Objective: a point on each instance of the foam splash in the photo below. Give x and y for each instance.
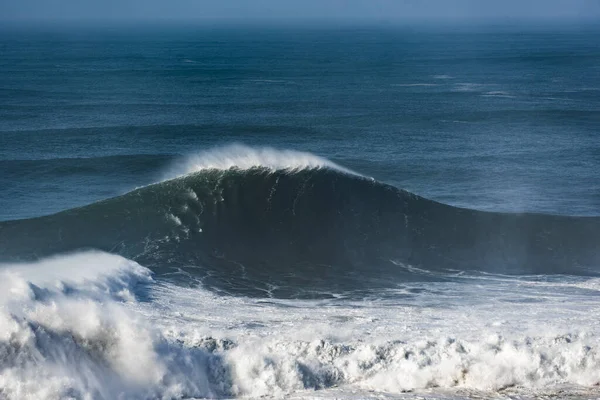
(278, 368)
(379, 347)
(244, 157)
(65, 333)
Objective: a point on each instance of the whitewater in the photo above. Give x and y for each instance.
(224, 279)
(112, 332)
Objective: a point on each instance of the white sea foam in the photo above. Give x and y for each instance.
(489, 337)
(498, 93)
(246, 157)
(468, 87)
(75, 327)
(414, 84)
(65, 333)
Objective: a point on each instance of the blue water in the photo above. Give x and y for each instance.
(495, 119)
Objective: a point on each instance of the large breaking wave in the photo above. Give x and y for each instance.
(255, 220)
(290, 225)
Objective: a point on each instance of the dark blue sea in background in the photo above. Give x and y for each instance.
(343, 211)
(488, 118)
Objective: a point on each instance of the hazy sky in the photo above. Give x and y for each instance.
(279, 10)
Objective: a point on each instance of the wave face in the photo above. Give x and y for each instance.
(255, 222)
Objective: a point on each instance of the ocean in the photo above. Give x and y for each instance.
(301, 211)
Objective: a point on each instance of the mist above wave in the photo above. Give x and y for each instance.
(244, 157)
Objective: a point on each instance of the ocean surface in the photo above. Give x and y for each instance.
(306, 212)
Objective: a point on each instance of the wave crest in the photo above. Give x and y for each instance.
(244, 157)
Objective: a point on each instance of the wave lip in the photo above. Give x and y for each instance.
(242, 157)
